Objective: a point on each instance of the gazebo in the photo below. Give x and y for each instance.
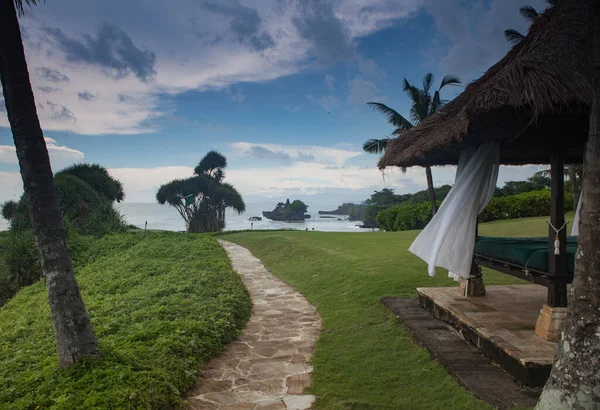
(534, 104)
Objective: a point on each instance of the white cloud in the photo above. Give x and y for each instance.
(11, 186)
(362, 91)
(141, 184)
(370, 69)
(60, 155)
(98, 95)
(300, 153)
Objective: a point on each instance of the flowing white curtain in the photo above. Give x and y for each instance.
(448, 239)
(575, 228)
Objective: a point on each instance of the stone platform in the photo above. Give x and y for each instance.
(501, 325)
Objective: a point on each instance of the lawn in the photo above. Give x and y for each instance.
(364, 358)
(161, 305)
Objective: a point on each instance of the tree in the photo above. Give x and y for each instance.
(423, 105)
(72, 327)
(98, 178)
(202, 199)
(297, 207)
(574, 382)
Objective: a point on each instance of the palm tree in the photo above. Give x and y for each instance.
(575, 376)
(72, 328)
(202, 199)
(423, 105)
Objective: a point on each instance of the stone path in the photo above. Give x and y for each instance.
(267, 366)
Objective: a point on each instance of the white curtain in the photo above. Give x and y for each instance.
(448, 239)
(575, 228)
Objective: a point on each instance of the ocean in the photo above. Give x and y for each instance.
(166, 218)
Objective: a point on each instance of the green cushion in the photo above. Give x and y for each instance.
(527, 252)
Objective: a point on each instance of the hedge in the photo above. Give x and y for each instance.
(528, 204)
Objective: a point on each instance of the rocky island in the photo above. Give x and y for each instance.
(288, 212)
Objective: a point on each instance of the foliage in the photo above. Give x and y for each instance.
(298, 207)
(201, 200)
(528, 204)
(416, 216)
(161, 305)
(535, 183)
(9, 210)
(98, 178)
(345, 275)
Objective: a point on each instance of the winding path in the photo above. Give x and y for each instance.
(267, 366)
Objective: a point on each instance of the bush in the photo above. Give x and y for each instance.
(371, 213)
(528, 204)
(162, 304)
(405, 217)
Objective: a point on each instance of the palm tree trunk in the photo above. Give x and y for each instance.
(72, 327)
(431, 190)
(574, 382)
(573, 179)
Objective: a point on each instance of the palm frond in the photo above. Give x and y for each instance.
(19, 5)
(449, 80)
(392, 116)
(529, 13)
(436, 103)
(230, 196)
(513, 36)
(375, 146)
(212, 161)
(427, 82)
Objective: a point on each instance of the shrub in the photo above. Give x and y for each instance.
(98, 178)
(19, 264)
(371, 213)
(528, 204)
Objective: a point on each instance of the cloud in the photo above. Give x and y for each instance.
(60, 155)
(476, 32)
(49, 74)
(57, 112)
(111, 48)
(47, 89)
(370, 69)
(259, 152)
(329, 37)
(329, 102)
(329, 81)
(244, 25)
(12, 188)
(299, 153)
(236, 94)
(362, 91)
(86, 96)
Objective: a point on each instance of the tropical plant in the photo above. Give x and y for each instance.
(423, 105)
(97, 177)
(202, 199)
(72, 327)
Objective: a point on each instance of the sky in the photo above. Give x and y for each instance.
(278, 86)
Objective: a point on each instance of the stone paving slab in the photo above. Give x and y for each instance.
(267, 366)
(472, 369)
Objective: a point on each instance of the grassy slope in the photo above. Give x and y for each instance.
(161, 305)
(364, 359)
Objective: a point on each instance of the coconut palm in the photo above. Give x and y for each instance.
(72, 328)
(202, 199)
(423, 105)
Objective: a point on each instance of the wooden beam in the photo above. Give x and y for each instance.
(557, 264)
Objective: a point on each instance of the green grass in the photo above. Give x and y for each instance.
(161, 305)
(364, 358)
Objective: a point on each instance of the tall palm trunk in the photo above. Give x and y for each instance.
(575, 379)
(572, 169)
(72, 327)
(431, 190)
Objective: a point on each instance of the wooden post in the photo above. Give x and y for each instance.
(557, 264)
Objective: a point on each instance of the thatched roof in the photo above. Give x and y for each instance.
(535, 101)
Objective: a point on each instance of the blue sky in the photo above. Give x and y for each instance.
(278, 86)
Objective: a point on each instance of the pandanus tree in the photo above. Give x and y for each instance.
(424, 103)
(201, 200)
(72, 327)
